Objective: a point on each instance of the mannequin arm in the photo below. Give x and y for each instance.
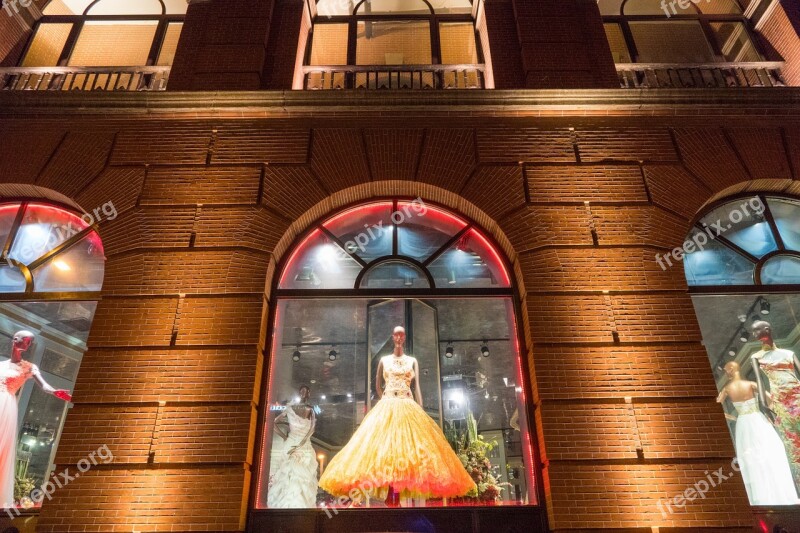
(417, 388)
(277, 421)
(761, 392)
(722, 395)
(58, 393)
(310, 430)
(379, 380)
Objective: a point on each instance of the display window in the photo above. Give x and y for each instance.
(743, 274)
(51, 271)
(395, 377)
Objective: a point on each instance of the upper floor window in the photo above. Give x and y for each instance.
(394, 44)
(656, 31)
(96, 43)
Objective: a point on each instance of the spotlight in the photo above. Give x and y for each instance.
(764, 307)
(732, 352)
(451, 277)
(743, 335)
(742, 318)
(407, 282)
(296, 356)
(485, 349)
(332, 355)
(449, 352)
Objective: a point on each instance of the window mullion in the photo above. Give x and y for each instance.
(69, 46)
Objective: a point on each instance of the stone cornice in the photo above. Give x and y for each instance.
(781, 102)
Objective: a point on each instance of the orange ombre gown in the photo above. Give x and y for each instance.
(399, 446)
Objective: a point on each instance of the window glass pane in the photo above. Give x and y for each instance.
(451, 6)
(170, 45)
(424, 229)
(393, 43)
(67, 7)
(715, 264)
(79, 268)
(616, 40)
(366, 230)
(331, 8)
(787, 217)
(671, 42)
(610, 7)
(43, 228)
(466, 393)
(329, 44)
(47, 45)
(656, 7)
(719, 7)
(8, 213)
(743, 223)
(318, 263)
(395, 275)
(114, 44)
(781, 269)
(471, 262)
(374, 7)
(458, 43)
(126, 7)
(739, 344)
(11, 279)
(735, 43)
(34, 418)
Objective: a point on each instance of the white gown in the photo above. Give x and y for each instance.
(293, 480)
(762, 458)
(12, 378)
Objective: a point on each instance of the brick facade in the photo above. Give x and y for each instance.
(581, 188)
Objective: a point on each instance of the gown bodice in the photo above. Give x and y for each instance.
(398, 372)
(13, 376)
(298, 425)
(747, 407)
(778, 365)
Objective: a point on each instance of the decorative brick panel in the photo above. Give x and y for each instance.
(643, 225)
(37, 141)
(120, 375)
(163, 143)
(528, 144)
(253, 227)
(596, 183)
(339, 158)
(709, 155)
(260, 143)
(647, 370)
(654, 318)
(498, 189)
(448, 157)
(201, 185)
(281, 186)
(149, 227)
(574, 431)
(393, 154)
(633, 144)
(118, 185)
(79, 158)
(569, 318)
(541, 225)
(133, 322)
(762, 151)
(673, 187)
(224, 320)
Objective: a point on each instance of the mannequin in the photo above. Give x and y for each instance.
(14, 373)
(397, 447)
(293, 483)
(781, 367)
(762, 458)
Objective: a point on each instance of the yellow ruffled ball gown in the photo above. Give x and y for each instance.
(399, 446)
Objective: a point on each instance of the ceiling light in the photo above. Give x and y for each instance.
(296, 356)
(305, 274)
(764, 307)
(743, 335)
(332, 355)
(485, 349)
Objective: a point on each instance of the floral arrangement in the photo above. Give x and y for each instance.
(22, 487)
(472, 451)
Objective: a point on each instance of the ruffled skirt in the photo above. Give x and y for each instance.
(399, 446)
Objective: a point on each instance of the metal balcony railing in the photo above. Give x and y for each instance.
(84, 78)
(467, 76)
(699, 75)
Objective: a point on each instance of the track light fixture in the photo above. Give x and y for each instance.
(332, 355)
(765, 306)
(485, 349)
(743, 335)
(296, 355)
(449, 352)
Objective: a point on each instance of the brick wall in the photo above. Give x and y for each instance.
(625, 397)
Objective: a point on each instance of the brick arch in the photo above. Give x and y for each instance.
(383, 189)
(777, 186)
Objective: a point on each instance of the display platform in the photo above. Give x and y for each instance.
(506, 519)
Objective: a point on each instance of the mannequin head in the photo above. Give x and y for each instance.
(399, 337)
(763, 332)
(305, 393)
(20, 343)
(732, 370)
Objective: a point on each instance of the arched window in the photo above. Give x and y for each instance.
(394, 44)
(50, 277)
(106, 33)
(742, 264)
(656, 31)
(342, 290)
